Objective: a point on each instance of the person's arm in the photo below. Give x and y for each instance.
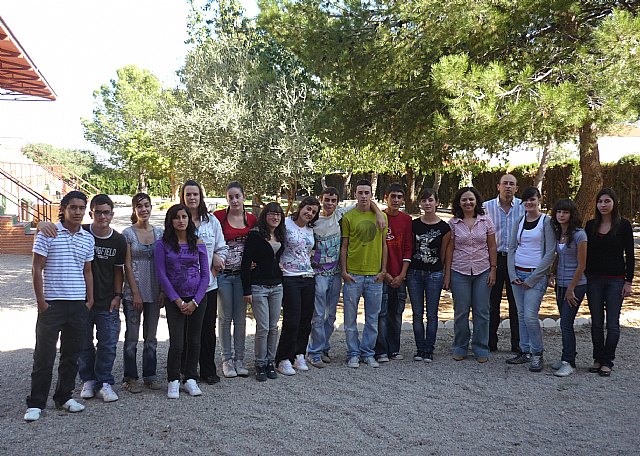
(160, 260)
(220, 249)
(118, 278)
(445, 252)
(630, 261)
(548, 257)
(582, 264)
(37, 266)
(131, 280)
(448, 259)
(49, 229)
(511, 254)
(248, 257)
(343, 260)
(493, 259)
(385, 255)
(407, 249)
(204, 276)
(88, 280)
(381, 220)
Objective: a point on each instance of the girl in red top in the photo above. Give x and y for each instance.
(236, 223)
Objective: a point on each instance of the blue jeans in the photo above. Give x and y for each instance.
(351, 292)
(96, 363)
(567, 317)
(528, 303)
(470, 292)
(390, 319)
(605, 296)
(151, 313)
(324, 313)
(231, 307)
(266, 305)
(425, 286)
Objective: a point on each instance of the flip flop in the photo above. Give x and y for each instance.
(595, 368)
(604, 371)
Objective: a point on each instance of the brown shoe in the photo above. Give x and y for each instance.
(132, 385)
(483, 359)
(458, 357)
(154, 385)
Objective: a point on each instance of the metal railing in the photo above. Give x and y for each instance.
(41, 210)
(66, 175)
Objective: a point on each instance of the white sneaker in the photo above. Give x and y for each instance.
(192, 387)
(383, 359)
(33, 414)
(371, 361)
(229, 369)
(72, 406)
(557, 365)
(353, 362)
(107, 393)
(88, 389)
(173, 389)
(300, 363)
(241, 371)
(565, 370)
(285, 368)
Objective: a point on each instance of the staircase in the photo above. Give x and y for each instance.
(16, 238)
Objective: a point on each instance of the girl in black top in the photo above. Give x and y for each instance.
(610, 263)
(262, 284)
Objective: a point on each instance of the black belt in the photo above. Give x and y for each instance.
(502, 253)
(231, 271)
(525, 269)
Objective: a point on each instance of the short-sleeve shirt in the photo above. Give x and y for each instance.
(144, 270)
(471, 251)
(398, 242)
(296, 257)
(502, 221)
(427, 244)
(326, 256)
(568, 259)
(67, 253)
(110, 252)
(364, 255)
(235, 238)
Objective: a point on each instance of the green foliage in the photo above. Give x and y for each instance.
(80, 162)
(120, 182)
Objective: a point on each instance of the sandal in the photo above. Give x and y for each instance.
(604, 371)
(595, 368)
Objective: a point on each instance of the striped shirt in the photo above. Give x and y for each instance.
(470, 247)
(502, 221)
(66, 256)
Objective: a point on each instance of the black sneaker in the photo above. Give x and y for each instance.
(211, 379)
(271, 371)
(261, 373)
(537, 363)
(419, 356)
(427, 357)
(521, 358)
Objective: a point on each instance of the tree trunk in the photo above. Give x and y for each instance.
(437, 181)
(590, 170)
(374, 184)
(174, 187)
(544, 163)
(347, 186)
(256, 204)
(291, 197)
(323, 181)
(410, 200)
(142, 180)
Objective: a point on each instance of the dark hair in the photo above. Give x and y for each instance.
(203, 213)
(170, 237)
(234, 184)
(99, 199)
(427, 192)
(261, 225)
(307, 201)
(330, 191)
(530, 192)
(574, 219)
(615, 214)
(74, 194)
(455, 204)
(137, 199)
(394, 187)
(364, 182)
(238, 185)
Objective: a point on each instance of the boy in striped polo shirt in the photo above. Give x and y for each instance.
(62, 281)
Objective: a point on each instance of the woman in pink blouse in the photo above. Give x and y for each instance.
(471, 261)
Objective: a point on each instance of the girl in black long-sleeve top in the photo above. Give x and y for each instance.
(262, 284)
(610, 264)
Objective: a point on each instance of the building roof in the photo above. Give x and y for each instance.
(20, 78)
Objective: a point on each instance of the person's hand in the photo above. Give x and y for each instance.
(381, 221)
(348, 277)
(48, 229)
(517, 282)
(217, 264)
(626, 289)
(491, 280)
(115, 304)
(552, 281)
(446, 282)
(570, 297)
(397, 281)
(138, 305)
(42, 306)
(160, 300)
(380, 277)
(89, 304)
(248, 299)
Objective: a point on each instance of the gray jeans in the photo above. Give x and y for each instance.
(266, 304)
(231, 308)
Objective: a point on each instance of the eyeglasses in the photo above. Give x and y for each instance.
(274, 214)
(97, 214)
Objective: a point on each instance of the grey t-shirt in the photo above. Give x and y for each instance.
(142, 264)
(568, 259)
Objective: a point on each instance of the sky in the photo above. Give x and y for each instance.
(78, 45)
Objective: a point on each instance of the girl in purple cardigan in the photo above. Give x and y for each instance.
(183, 272)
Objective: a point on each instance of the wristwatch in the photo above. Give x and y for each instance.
(117, 293)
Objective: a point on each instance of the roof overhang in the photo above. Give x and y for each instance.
(20, 78)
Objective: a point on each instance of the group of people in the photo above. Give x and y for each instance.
(205, 268)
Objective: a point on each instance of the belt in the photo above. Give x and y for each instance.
(525, 269)
(231, 271)
(504, 254)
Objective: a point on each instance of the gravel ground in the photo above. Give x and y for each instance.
(407, 407)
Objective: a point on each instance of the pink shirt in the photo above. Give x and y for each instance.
(471, 251)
